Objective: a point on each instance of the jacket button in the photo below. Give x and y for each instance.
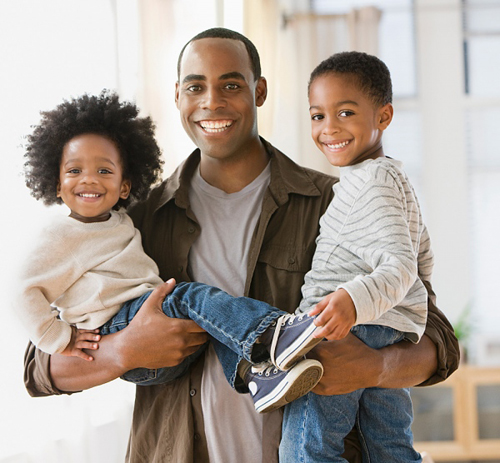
(291, 260)
(196, 436)
(191, 230)
(192, 392)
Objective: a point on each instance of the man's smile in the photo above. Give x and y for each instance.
(215, 126)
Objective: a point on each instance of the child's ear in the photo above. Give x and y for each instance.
(58, 190)
(385, 116)
(125, 189)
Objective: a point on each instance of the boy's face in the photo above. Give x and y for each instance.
(217, 96)
(345, 123)
(91, 177)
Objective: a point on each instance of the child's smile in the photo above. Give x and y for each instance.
(345, 123)
(91, 177)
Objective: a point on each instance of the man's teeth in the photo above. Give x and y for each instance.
(89, 195)
(337, 145)
(215, 126)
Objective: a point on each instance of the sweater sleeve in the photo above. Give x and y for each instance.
(48, 273)
(377, 229)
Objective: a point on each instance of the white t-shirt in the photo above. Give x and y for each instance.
(219, 258)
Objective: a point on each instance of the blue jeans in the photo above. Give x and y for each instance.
(314, 426)
(235, 324)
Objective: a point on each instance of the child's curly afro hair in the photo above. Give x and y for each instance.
(102, 115)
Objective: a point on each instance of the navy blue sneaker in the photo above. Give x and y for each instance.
(292, 339)
(271, 388)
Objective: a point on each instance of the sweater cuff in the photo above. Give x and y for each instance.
(361, 299)
(55, 339)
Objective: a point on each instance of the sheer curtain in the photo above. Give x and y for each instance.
(291, 43)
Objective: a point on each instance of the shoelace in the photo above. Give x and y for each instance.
(288, 318)
(264, 368)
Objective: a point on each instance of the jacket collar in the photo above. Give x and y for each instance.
(287, 178)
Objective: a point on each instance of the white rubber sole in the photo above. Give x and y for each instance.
(298, 382)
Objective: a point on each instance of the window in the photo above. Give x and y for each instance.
(481, 23)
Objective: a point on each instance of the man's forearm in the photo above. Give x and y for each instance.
(71, 374)
(406, 364)
(350, 365)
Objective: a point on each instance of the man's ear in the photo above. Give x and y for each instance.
(385, 116)
(261, 91)
(177, 94)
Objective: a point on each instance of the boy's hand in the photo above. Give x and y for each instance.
(82, 339)
(337, 315)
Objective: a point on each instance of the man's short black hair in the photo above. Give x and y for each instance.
(222, 33)
(371, 73)
(103, 115)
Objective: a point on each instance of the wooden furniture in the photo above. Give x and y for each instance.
(459, 419)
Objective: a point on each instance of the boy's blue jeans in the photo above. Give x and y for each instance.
(235, 324)
(314, 426)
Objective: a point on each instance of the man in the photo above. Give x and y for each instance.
(240, 215)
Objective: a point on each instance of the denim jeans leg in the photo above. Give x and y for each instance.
(385, 418)
(385, 415)
(146, 376)
(314, 427)
(235, 322)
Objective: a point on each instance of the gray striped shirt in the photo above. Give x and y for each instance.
(374, 244)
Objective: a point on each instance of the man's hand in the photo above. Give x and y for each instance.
(153, 340)
(349, 364)
(337, 315)
(82, 339)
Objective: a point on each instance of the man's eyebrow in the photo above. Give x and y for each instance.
(232, 75)
(192, 77)
(227, 76)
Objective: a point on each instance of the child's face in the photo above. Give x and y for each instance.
(345, 123)
(91, 177)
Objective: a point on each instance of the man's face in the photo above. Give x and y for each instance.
(217, 97)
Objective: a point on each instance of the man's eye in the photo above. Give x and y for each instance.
(232, 86)
(193, 88)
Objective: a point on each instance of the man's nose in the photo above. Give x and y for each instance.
(213, 99)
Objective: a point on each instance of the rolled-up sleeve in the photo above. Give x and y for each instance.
(440, 331)
(37, 378)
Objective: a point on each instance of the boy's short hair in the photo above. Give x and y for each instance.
(371, 73)
(223, 33)
(102, 115)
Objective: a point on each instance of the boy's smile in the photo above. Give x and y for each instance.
(346, 125)
(91, 177)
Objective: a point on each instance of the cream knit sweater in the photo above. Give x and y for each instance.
(81, 274)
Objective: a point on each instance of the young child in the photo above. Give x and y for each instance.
(372, 250)
(89, 270)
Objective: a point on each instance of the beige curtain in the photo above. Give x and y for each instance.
(291, 45)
